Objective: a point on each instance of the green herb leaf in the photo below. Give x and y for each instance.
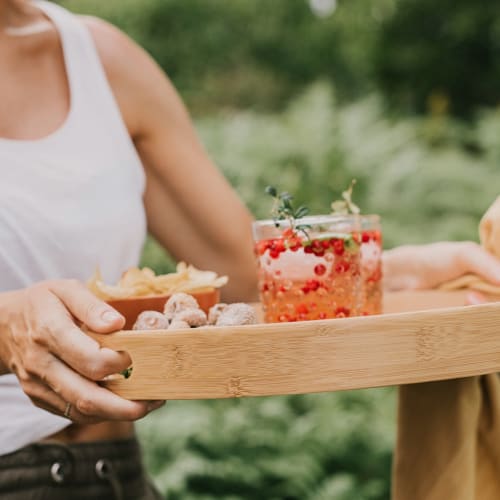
(271, 190)
(283, 207)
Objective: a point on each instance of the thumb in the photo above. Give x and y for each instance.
(87, 308)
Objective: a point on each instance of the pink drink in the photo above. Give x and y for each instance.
(371, 264)
(310, 274)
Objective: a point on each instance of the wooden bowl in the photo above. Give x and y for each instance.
(131, 307)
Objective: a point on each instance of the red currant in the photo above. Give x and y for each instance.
(342, 267)
(342, 312)
(319, 269)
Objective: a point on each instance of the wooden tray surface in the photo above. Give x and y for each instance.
(425, 342)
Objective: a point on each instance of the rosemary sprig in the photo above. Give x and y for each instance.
(283, 209)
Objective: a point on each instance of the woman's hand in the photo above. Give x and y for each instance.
(55, 362)
(428, 266)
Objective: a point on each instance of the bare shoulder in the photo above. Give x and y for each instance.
(130, 70)
(117, 51)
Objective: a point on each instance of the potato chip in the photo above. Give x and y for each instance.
(143, 282)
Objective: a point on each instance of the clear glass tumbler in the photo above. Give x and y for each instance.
(309, 269)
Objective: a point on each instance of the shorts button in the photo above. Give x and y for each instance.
(57, 472)
(103, 468)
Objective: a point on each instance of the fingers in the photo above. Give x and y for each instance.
(58, 364)
(88, 398)
(53, 328)
(475, 259)
(86, 307)
(45, 398)
(105, 405)
(60, 336)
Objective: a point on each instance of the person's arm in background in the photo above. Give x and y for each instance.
(419, 267)
(192, 210)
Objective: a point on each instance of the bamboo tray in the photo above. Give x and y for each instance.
(423, 336)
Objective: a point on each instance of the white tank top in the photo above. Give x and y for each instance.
(69, 202)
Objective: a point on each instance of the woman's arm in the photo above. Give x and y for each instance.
(192, 210)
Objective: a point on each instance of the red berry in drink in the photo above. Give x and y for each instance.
(294, 244)
(342, 267)
(301, 309)
(278, 245)
(319, 269)
(282, 318)
(312, 284)
(338, 247)
(262, 246)
(342, 312)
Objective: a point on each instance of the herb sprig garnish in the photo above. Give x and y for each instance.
(346, 206)
(283, 209)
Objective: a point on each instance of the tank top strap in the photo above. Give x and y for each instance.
(91, 97)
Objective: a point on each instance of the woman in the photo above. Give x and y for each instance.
(87, 123)
(95, 146)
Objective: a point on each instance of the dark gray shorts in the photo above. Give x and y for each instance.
(101, 470)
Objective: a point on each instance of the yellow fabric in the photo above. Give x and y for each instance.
(489, 229)
(448, 441)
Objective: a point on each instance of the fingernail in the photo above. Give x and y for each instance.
(110, 316)
(474, 298)
(154, 405)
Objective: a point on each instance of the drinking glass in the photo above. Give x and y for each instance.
(309, 268)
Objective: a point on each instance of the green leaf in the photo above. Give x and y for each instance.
(286, 197)
(302, 211)
(271, 190)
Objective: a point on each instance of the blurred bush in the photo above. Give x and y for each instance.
(440, 53)
(313, 447)
(421, 54)
(249, 53)
(430, 178)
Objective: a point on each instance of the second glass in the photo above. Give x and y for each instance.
(371, 264)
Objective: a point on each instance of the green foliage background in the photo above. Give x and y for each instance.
(399, 94)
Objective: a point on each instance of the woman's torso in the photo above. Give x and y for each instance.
(70, 196)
